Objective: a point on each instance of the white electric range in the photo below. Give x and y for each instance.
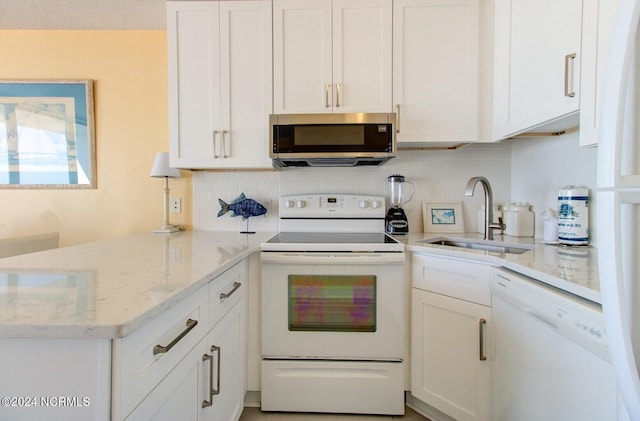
(333, 308)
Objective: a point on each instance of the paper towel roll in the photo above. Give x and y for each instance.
(573, 215)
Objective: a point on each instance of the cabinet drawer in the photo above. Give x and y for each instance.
(225, 291)
(140, 369)
(453, 277)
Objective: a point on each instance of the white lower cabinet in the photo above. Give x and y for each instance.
(450, 336)
(55, 379)
(195, 351)
(227, 367)
(201, 372)
(208, 383)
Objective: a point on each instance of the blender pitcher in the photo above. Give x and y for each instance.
(396, 220)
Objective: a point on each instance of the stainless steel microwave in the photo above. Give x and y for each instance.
(331, 140)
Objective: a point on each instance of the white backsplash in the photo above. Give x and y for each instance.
(523, 170)
(439, 175)
(540, 167)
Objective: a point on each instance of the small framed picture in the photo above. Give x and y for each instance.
(445, 217)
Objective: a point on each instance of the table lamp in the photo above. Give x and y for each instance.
(161, 168)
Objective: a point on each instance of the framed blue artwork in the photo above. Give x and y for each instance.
(47, 135)
(443, 217)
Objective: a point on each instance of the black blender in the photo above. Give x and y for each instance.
(396, 220)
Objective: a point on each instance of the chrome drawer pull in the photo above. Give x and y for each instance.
(481, 332)
(212, 391)
(205, 357)
(159, 349)
(225, 295)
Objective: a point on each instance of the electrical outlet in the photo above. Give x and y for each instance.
(176, 205)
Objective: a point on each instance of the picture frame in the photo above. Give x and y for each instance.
(443, 217)
(47, 134)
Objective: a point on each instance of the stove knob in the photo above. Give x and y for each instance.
(288, 204)
(364, 204)
(300, 204)
(375, 204)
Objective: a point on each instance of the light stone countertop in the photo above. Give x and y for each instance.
(110, 288)
(572, 269)
(107, 289)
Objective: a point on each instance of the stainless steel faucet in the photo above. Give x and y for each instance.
(489, 225)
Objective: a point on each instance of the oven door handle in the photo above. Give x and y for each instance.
(331, 258)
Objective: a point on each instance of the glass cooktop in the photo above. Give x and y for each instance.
(314, 241)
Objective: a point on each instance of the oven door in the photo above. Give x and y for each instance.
(343, 306)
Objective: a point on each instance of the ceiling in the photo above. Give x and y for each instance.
(83, 14)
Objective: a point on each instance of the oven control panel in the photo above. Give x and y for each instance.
(332, 206)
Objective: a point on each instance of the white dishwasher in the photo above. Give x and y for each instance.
(550, 359)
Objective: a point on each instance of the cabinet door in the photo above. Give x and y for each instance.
(598, 20)
(194, 83)
(228, 348)
(180, 394)
(447, 370)
(302, 56)
(435, 70)
(220, 84)
(216, 364)
(246, 84)
(362, 45)
(537, 62)
(37, 371)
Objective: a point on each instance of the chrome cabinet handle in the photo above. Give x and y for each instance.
(215, 155)
(569, 61)
(397, 118)
(212, 391)
(160, 349)
(209, 402)
(338, 95)
(481, 324)
(327, 88)
(225, 295)
(224, 144)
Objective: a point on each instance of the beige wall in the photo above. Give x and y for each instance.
(129, 69)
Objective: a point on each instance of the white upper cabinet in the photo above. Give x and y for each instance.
(220, 83)
(537, 64)
(436, 70)
(598, 21)
(332, 56)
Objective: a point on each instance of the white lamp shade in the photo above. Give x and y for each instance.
(161, 167)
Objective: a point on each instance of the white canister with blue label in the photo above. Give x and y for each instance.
(573, 215)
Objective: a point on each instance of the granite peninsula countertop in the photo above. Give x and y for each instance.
(108, 289)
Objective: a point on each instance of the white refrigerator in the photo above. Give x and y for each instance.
(618, 203)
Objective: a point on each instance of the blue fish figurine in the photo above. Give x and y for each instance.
(242, 206)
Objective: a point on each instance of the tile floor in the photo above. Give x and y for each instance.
(254, 414)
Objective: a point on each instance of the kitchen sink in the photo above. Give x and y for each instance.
(486, 245)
